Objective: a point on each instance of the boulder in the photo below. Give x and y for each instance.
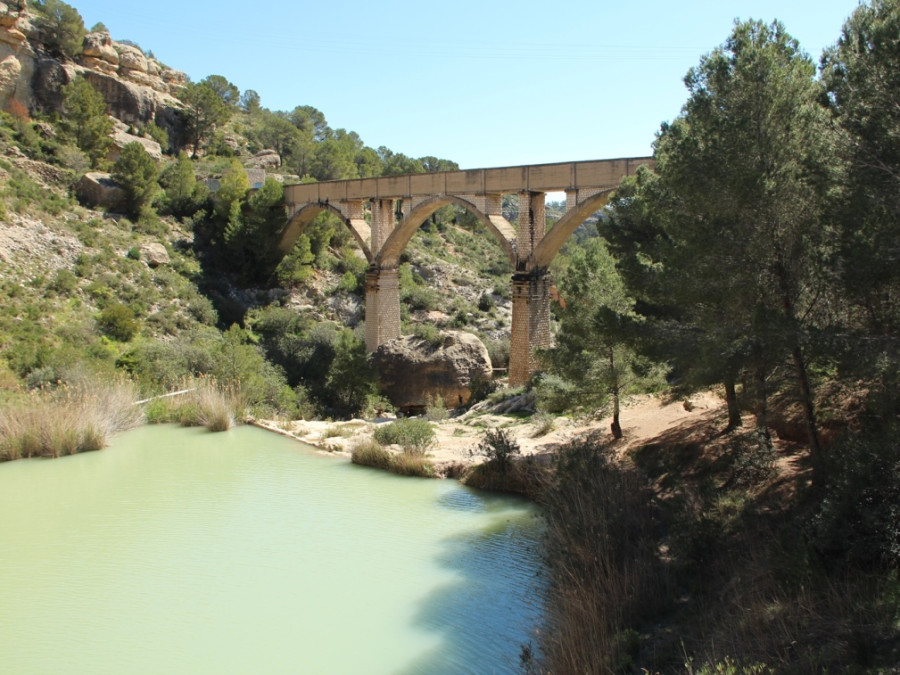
(99, 189)
(154, 254)
(100, 46)
(123, 138)
(412, 369)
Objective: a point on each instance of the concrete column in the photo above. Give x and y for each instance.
(353, 210)
(532, 222)
(571, 199)
(382, 222)
(382, 307)
(488, 204)
(530, 323)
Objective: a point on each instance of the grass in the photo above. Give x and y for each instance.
(413, 435)
(369, 453)
(66, 421)
(206, 404)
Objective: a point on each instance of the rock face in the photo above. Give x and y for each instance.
(137, 89)
(410, 369)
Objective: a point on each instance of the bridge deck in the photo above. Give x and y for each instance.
(534, 178)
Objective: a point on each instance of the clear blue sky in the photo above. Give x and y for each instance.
(482, 83)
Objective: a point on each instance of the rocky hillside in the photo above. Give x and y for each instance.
(154, 292)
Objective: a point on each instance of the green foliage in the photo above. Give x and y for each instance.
(350, 380)
(136, 171)
(412, 434)
(224, 89)
(86, 121)
(184, 195)
(435, 410)
(61, 28)
(593, 360)
(118, 322)
(232, 191)
(860, 75)
(857, 522)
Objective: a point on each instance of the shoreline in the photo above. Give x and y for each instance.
(642, 418)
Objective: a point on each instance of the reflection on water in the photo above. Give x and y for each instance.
(182, 551)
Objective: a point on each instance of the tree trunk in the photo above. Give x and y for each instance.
(762, 403)
(615, 427)
(734, 412)
(809, 410)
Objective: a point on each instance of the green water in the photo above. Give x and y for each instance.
(181, 551)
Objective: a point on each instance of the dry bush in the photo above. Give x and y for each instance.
(66, 421)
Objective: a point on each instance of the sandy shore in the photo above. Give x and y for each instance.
(643, 418)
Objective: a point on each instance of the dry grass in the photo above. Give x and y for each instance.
(370, 453)
(66, 421)
(602, 558)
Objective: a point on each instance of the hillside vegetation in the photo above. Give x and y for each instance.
(759, 259)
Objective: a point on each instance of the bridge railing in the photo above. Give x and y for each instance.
(534, 177)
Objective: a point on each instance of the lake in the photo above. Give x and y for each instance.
(180, 550)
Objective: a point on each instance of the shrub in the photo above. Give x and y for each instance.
(435, 410)
(543, 423)
(413, 435)
(486, 302)
(498, 447)
(118, 322)
(554, 393)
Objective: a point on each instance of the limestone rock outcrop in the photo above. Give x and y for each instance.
(411, 369)
(99, 189)
(137, 89)
(121, 138)
(264, 159)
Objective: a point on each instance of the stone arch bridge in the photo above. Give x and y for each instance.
(384, 213)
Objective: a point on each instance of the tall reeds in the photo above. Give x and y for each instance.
(603, 564)
(200, 403)
(67, 420)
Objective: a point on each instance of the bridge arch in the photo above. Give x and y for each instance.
(553, 241)
(498, 226)
(305, 215)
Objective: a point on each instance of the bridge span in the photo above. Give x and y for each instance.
(384, 213)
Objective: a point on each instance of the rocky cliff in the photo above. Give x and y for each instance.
(137, 89)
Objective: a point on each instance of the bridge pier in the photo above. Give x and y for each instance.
(382, 307)
(530, 323)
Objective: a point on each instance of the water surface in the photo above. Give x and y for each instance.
(178, 550)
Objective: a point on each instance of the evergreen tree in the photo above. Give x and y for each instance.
(136, 171)
(86, 121)
(735, 215)
(184, 194)
(61, 27)
(206, 110)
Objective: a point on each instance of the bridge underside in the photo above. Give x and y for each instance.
(384, 213)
